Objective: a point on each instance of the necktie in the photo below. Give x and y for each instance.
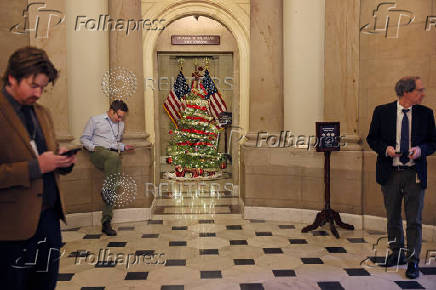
(27, 112)
(404, 143)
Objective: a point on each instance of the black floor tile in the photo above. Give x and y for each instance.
(209, 252)
(206, 235)
(172, 287)
(155, 222)
(283, 273)
(377, 233)
(257, 221)
(106, 264)
(126, 228)
(286, 227)
(206, 221)
(79, 253)
(335, 250)
(234, 227)
(136, 276)
(65, 276)
(179, 228)
(312, 261)
(71, 230)
(297, 241)
(63, 244)
(150, 236)
(144, 253)
(210, 275)
(378, 259)
(330, 285)
(428, 270)
(92, 288)
(178, 244)
(116, 244)
(409, 285)
(238, 243)
(243, 261)
(251, 286)
(356, 240)
(357, 272)
(320, 233)
(263, 234)
(175, 262)
(272, 251)
(92, 237)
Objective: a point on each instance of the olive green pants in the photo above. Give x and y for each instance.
(110, 163)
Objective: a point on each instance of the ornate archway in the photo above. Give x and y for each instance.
(229, 14)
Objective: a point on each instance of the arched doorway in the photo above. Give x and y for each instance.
(229, 15)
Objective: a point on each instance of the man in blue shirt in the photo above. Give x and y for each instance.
(102, 137)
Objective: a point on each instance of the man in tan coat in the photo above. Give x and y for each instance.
(30, 161)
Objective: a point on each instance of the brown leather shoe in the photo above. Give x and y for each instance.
(107, 229)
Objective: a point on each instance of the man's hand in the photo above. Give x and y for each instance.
(48, 161)
(390, 151)
(63, 149)
(129, 147)
(415, 153)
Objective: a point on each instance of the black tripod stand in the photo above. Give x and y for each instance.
(327, 215)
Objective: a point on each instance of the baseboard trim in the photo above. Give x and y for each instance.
(307, 216)
(94, 218)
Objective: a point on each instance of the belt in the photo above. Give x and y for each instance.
(402, 168)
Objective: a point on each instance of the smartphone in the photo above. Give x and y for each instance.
(398, 152)
(71, 152)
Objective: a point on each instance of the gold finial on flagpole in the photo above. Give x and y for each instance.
(181, 61)
(206, 63)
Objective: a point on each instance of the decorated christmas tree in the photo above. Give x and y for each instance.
(193, 140)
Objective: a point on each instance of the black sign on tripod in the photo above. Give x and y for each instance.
(328, 140)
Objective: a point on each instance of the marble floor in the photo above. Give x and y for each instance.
(224, 251)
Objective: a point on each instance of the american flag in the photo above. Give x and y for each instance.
(175, 102)
(216, 102)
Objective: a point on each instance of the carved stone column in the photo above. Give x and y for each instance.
(125, 50)
(266, 65)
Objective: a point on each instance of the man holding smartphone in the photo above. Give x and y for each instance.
(102, 137)
(31, 203)
(403, 134)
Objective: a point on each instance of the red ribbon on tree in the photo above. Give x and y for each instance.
(197, 118)
(198, 132)
(194, 144)
(197, 107)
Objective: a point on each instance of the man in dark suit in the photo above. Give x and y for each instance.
(403, 133)
(30, 162)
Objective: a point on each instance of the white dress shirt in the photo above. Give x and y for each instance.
(101, 131)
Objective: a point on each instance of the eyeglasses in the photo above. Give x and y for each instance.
(421, 90)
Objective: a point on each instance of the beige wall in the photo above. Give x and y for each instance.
(11, 15)
(384, 60)
(303, 49)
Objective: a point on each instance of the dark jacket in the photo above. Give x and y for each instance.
(382, 133)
